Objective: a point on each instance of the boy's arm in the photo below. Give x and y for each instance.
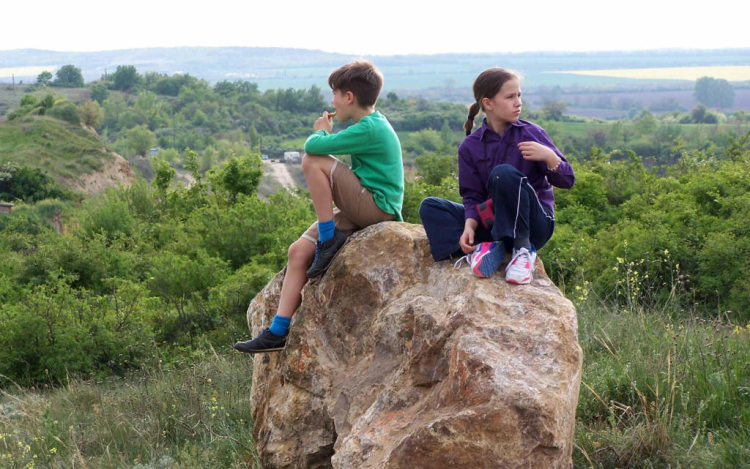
(354, 139)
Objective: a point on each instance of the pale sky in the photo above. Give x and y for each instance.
(379, 27)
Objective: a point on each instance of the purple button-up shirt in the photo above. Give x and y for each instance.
(484, 149)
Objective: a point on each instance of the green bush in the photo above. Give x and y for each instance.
(66, 111)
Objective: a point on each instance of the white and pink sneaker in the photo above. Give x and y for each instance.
(520, 269)
(485, 259)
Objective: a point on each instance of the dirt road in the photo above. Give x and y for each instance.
(280, 173)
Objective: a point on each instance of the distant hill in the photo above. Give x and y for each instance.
(300, 68)
(74, 157)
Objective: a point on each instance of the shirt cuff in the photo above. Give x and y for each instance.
(471, 212)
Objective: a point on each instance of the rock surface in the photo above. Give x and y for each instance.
(394, 361)
(115, 172)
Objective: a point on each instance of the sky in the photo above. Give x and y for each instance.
(381, 27)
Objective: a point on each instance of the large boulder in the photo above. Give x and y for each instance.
(395, 361)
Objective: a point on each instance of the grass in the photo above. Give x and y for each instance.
(658, 391)
(194, 414)
(62, 149)
(661, 386)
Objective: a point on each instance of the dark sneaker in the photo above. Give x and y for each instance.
(324, 253)
(266, 341)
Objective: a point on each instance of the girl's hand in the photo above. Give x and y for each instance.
(467, 240)
(535, 151)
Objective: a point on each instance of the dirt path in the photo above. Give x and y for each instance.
(280, 173)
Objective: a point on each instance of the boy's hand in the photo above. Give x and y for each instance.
(535, 151)
(324, 123)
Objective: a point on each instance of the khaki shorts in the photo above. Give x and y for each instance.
(355, 205)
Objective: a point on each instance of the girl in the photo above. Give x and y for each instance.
(508, 165)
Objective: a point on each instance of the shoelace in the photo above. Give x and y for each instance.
(460, 261)
(518, 256)
(317, 251)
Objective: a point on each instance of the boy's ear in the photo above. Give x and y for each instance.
(350, 98)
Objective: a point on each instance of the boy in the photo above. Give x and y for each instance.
(369, 192)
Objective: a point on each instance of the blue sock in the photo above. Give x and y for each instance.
(280, 325)
(325, 230)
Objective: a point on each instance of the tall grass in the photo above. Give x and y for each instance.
(663, 386)
(192, 415)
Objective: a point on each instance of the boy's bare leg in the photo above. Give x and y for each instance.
(301, 253)
(317, 169)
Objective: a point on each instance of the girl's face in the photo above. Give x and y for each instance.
(505, 106)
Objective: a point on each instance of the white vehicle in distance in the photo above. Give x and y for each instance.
(292, 157)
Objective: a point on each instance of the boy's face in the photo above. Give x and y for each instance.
(343, 103)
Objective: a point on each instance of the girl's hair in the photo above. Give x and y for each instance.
(487, 85)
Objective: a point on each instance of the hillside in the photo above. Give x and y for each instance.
(71, 155)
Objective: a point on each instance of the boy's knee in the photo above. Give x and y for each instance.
(312, 162)
(299, 257)
(308, 162)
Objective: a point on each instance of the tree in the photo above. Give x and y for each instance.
(253, 135)
(99, 92)
(140, 139)
(90, 113)
(240, 175)
(714, 93)
(645, 123)
(163, 174)
(125, 77)
(27, 184)
(69, 76)
(554, 109)
(43, 78)
(446, 134)
(701, 115)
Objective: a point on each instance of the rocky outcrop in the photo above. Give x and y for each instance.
(394, 361)
(115, 172)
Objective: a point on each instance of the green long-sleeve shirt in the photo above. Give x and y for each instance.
(376, 158)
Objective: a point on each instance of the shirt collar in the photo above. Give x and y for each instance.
(486, 128)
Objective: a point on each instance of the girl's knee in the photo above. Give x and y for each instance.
(428, 203)
(505, 171)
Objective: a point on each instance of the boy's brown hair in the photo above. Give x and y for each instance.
(361, 78)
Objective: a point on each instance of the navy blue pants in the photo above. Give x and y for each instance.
(518, 215)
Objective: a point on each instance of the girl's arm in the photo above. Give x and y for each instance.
(556, 168)
(470, 185)
(562, 177)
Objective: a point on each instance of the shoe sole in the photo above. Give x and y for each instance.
(489, 264)
(525, 281)
(253, 352)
